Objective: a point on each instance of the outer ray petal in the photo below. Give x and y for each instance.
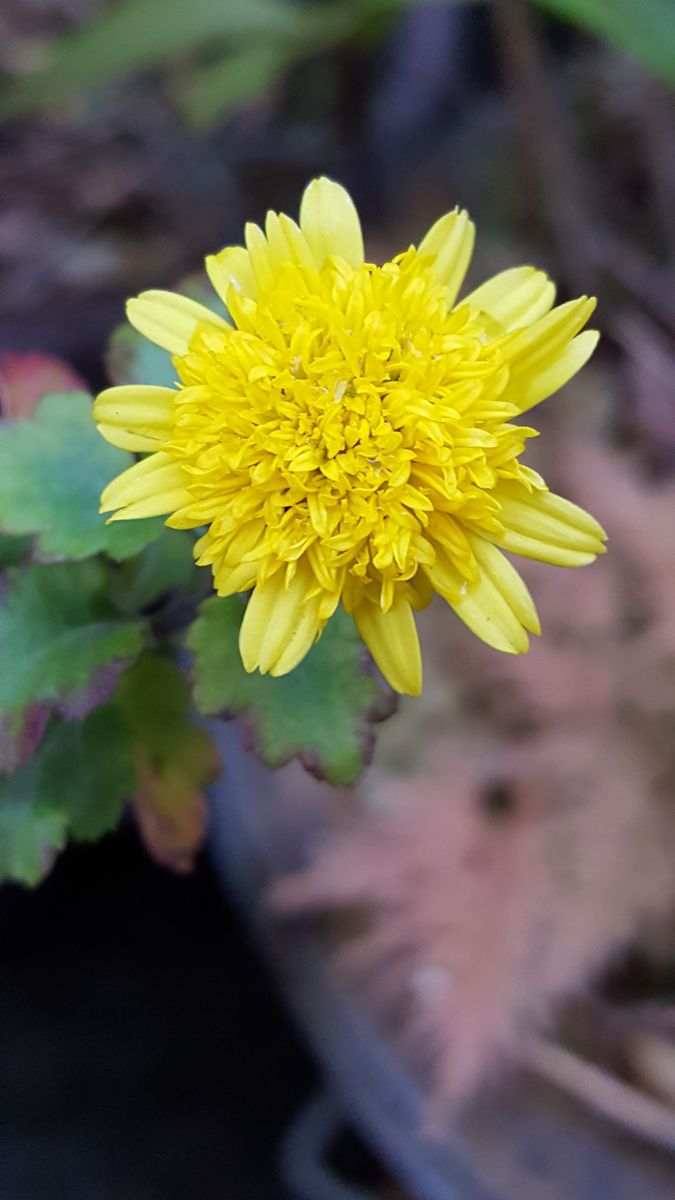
(488, 614)
(528, 388)
(515, 297)
(170, 320)
(392, 640)
(135, 417)
(155, 486)
(262, 261)
(450, 242)
(129, 441)
(330, 223)
(506, 579)
(287, 243)
(541, 514)
(490, 607)
(231, 267)
(156, 505)
(540, 344)
(542, 551)
(547, 527)
(280, 624)
(230, 580)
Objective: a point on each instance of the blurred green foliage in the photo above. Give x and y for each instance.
(643, 29)
(238, 48)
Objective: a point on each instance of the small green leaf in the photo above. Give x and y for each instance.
(198, 287)
(167, 565)
(643, 29)
(13, 550)
(174, 759)
(218, 88)
(321, 712)
(93, 763)
(136, 35)
(132, 358)
(21, 734)
(60, 637)
(29, 837)
(74, 786)
(52, 471)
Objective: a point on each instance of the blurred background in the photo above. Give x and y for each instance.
(145, 1052)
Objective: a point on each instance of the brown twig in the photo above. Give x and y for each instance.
(603, 1093)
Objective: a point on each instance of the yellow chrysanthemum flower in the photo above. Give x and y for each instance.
(350, 435)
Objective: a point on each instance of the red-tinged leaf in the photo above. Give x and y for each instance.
(74, 786)
(61, 640)
(26, 378)
(171, 817)
(20, 736)
(174, 759)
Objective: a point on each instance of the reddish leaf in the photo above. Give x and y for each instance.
(174, 758)
(26, 378)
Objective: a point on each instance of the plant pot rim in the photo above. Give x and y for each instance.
(254, 839)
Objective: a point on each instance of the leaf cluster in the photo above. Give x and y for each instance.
(225, 55)
(109, 661)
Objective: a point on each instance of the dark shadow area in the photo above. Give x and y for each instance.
(143, 1053)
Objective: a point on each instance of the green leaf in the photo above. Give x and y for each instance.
(21, 734)
(87, 772)
(74, 786)
(52, 471)
(13, 550)
(174, 759)
(214, 91)
(138, 34)
(60, 639)
(167, 565)
(29, 837)
(643, 29)
(131, 358)
(321, 712)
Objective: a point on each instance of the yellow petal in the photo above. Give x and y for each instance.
(287, 243)
(542, 515)
(152, 487)
(531, 387)
(231, 267)
(135, 417)
(170, 320)
(514, 298)
(129, 441)
(546, 527)
(572, 515)
(450, 242)
(486, 605)
(540, 344)
(156, 505)
(506, 579)
(262, 261)
(330, 223)
(487, 613)
(230, 580)
(392, 640)
(543, 551)
(280, 624)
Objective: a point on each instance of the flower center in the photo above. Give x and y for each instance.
(349, 416)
